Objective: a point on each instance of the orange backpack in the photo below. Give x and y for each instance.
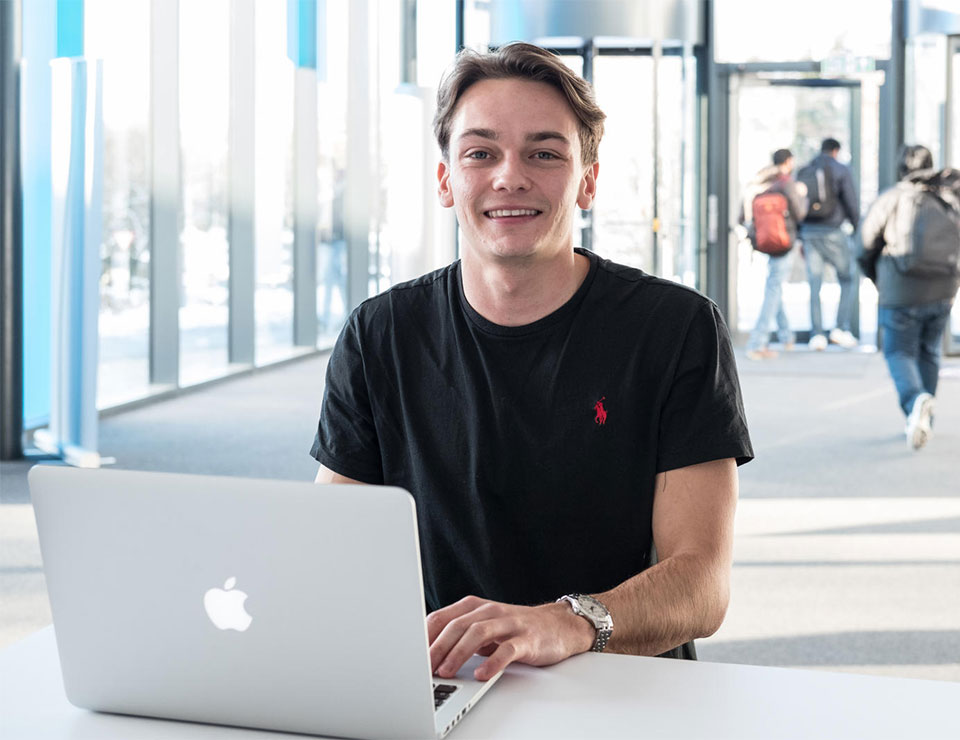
(770, 234)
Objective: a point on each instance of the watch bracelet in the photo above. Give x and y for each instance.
(603, 633)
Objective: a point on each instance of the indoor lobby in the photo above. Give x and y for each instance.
(252, 171)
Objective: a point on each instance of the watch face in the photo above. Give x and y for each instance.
(593, 608)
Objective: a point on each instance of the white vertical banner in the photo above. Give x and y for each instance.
(305, 207)
(76, 150)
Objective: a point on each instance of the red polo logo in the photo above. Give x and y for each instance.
(601, 417)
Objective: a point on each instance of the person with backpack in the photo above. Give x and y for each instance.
(833, 200)
(777, 203)
(911, 250)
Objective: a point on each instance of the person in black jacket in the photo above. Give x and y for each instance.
(825, 242)
(915, 304)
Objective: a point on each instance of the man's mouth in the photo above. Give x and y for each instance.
(511, 212)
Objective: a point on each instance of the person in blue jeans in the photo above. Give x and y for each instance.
(777, 178)
(914, 304)
(825, 242)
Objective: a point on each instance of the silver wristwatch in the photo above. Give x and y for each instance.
(594, 612)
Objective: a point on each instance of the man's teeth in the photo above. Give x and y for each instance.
(514, 212)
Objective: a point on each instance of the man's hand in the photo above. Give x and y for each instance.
(536, 635)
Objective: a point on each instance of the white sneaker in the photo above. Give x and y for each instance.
(844, 338)
(817, 343)
(919, 428)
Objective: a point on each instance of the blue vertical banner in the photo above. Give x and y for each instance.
(76, 149)
(69, 28)
(50, 29)
(302, 32)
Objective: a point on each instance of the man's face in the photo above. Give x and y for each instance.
(515, 174)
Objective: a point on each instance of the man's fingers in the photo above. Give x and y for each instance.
(472, 639)
(503, 633)
(439, 619)
(504, 655)
(452, 628)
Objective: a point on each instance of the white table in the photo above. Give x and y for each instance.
(589, 696)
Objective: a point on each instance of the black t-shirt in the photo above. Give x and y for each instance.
(532, 450)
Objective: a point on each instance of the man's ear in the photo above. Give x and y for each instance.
(443, 189)
(588, 186)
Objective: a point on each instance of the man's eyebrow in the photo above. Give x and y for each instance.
(483, 133)
(489, 133)
(547, 135)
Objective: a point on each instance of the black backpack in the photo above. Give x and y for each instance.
(821, 190)
(925, 238)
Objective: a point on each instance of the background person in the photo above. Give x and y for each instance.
(776, 178)
(910, 249)
(553, 414)
(833, 200)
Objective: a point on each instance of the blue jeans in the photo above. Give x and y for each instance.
(912, 338)
(772, 307)
(823, 245)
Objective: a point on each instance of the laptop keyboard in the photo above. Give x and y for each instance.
(442, 692)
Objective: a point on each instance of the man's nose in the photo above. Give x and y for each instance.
(511, 174)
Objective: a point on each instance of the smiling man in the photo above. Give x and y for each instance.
(554, 414)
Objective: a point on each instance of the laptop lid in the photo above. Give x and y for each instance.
(261, 603)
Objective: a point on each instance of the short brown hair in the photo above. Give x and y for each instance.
(526, 62)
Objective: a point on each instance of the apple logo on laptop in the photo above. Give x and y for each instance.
(225, 607)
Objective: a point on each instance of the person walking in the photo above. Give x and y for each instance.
(910, 249)
(773, 231)
(833, 200)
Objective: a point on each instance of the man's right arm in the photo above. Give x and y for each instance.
(872, 228)
(325, 475)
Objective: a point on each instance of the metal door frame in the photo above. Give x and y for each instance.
(738, 77)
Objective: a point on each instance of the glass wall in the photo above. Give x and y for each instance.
(404, 237)
(393, 224)
(623, 211)
(630, 225)
(954, 133)
(124, 322)
(677, 169)
(331, 172)
(953, 100)
(273, 188)
(926, 94)
(765, 31)
(204, 133)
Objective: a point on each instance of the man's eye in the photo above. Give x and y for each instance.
(546, 155)
(478, 155)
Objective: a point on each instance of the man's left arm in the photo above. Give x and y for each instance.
(682, 597)
(685, 595)
(848, 196)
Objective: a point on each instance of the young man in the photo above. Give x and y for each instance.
(923, 210)
(552, 413)
(824, 242)
(776, 178)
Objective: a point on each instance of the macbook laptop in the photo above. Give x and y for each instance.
(258, 603)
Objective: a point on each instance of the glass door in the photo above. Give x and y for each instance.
(643, 215)
(952, 159)
(770, 113)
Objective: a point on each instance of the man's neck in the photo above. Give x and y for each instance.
(519, 292)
